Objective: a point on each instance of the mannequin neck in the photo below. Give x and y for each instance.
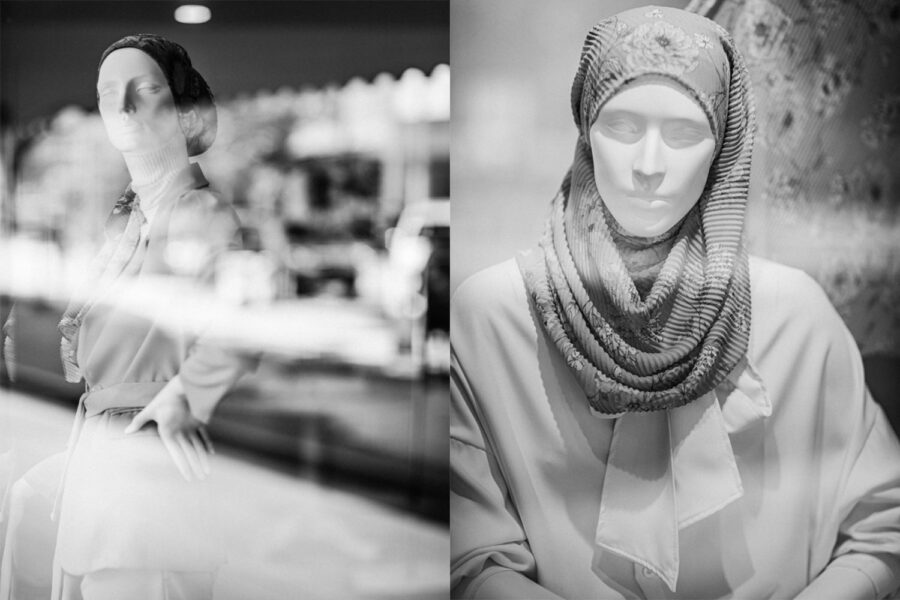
(643, 256)
(152, 171)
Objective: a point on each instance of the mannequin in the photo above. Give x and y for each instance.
(639, 409)
(142, 123)
(133, 514)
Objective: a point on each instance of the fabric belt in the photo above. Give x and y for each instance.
(120, 395)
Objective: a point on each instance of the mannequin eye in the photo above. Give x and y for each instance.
(682, 135)
(622, 128)
(149, 88)
(106, 97)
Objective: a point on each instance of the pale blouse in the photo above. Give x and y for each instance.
(117, 345)
(818, 465)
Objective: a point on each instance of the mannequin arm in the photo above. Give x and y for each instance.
(839, 584)
(210, 370)
(855, 576)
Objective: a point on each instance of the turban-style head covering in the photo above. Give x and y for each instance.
(193, 98)
(668, 344)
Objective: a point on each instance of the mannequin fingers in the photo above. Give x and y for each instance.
(190, 453)
(177, 455)
(139, 420)
(202, 454)
(206, 439)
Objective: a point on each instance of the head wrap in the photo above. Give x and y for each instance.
(654, 361)
(669, 43)
(634, 354)
(193, 98)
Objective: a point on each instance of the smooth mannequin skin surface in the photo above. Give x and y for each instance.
(135, 102)
(652, 147)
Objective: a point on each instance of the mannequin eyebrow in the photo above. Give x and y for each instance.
(622, 113)
(139, 79)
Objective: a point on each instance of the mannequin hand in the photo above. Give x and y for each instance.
(184, 436)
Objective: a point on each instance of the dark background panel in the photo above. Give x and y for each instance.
(49, 49)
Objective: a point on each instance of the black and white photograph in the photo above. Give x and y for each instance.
(248, 352)
(224, 291)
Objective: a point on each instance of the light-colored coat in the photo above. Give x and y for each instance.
(820, 473)
(124, 503)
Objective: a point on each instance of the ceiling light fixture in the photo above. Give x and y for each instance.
(192, 14)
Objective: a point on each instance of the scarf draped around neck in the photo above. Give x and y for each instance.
(687, 327)
(651, 328)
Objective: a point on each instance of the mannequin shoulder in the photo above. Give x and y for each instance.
(783, 295)
(205, 204)
(494, 293)
(203, 213)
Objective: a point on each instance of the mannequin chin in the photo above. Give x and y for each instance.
(652, 148)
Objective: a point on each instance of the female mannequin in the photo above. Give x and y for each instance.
(133, 511)
(641, 410)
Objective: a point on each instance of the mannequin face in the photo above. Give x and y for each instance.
(135, 102)
(652, 147)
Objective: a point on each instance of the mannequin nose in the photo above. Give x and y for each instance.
(649, 168)
(126, 103)
(646, 183)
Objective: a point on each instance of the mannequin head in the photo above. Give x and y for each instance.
(186, 91)
(652, 148)
(136, 104)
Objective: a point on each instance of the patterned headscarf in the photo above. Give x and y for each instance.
(193, 98)
(634, 354)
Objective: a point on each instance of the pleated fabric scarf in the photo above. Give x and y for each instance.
(634, 352)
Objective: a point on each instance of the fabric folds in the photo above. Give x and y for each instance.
(650, 342)
(634, 354)
(113, 261)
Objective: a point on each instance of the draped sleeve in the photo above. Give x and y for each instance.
(202, 228)
(859, 494)
(489, 550)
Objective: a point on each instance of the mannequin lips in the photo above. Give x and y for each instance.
(128, 126)
(649, 200)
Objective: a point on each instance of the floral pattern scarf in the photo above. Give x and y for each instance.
(667, 347)
(651, 328)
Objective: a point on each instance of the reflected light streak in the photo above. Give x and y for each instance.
(296, 328)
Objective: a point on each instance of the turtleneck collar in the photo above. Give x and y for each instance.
(151, 172)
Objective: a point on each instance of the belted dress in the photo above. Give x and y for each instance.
(123, 503)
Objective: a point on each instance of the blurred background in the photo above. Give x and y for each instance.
(333, 146)
(825, 194)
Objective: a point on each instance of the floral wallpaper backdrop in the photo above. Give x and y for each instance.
(826, 161)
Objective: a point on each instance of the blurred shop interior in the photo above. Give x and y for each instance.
(333, 146)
